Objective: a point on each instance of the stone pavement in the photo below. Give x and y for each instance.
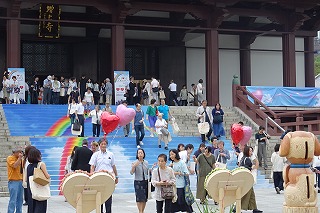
(267, 200)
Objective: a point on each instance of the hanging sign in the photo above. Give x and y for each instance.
(121, 81)
(48, 28)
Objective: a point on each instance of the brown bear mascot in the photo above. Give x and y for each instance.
(299, 147)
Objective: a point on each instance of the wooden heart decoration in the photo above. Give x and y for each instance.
(82, 183)
(227, 179)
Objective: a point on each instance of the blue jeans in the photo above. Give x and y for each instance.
(16, 196)
(139, 129)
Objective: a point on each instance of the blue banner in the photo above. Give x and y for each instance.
(287, 96)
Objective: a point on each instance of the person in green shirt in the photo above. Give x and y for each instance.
(151, 115)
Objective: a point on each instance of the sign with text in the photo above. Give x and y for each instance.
(19, 73)
(121, 81)
(48, 28)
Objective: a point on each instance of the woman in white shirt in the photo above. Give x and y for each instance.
(88, 97)
(71, 111)
(200, 91)
(96, 118)
(162, 124)
(89, 84)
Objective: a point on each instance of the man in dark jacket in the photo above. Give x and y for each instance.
(82, 157)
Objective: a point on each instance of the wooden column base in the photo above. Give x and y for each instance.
(287, 209)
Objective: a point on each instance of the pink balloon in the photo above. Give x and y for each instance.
(109, 122)
(258, 94)
(125, 114)
(247, 132)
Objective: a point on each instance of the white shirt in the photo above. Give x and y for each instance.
(96, 116)
(72, 108)
(6, 83)
(56, 86)
(184, 156)
(277, 162)
(102, 161)
(173, 87)
(162, 123)
(80, 109)
(147, 87)
(316, 161)
(199, 88)
(154, 83)
(88, 97)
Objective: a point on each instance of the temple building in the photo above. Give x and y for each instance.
(264, 42)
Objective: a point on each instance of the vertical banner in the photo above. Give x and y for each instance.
(19, 73)
(48, 28)
(121, 81)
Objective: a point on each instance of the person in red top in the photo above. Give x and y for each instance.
(14, 168)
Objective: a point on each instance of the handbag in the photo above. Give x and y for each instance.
(39, 192)
(76, 126)
(217, 119)
(145, 95)
(164, 131)
(187, 192)
(220, 164)
(166, 191)
(39, 177)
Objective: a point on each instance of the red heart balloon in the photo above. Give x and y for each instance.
(236, 133)
(109, 122)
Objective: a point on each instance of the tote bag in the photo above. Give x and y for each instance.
(187, 192)
(39, 177)
(38, 191)
(220, 164)
(203, 127)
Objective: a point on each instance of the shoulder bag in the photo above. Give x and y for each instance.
(166, 190)
(39, 192)
(164, 131)
(187, 191)
(39, 177)
(217, 118)
(219, 164)
(155, 89)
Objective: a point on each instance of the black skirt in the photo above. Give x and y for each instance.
(141, 190)
(180, 204)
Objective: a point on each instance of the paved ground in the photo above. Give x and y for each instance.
(267, 200)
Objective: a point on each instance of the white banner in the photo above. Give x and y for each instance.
(19, 73)
(121, 81)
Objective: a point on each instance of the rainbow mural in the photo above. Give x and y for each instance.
(59, 127)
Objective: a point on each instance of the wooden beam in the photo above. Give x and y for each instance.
(201, 12)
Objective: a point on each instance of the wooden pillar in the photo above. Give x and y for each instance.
(118, 48)
(245, 61)
(212, 67)
(289, 60)
(13, 44)
(309, 61)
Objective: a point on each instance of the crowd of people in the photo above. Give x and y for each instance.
(60, 90)
(184, 161)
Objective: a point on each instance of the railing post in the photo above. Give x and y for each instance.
(235, 83)
(299, 120)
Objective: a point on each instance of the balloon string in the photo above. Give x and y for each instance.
(113, 136)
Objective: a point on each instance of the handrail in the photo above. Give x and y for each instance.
(243, 89)
(275, 123)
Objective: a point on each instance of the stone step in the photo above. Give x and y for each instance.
(4, 194)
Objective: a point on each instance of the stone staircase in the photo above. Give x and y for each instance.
(7, 143)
